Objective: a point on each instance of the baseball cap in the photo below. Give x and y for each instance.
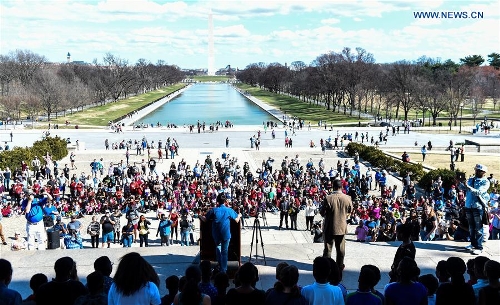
(17, 233)
(58, 218)
(481, 167)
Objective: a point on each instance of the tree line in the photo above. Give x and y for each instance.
(352, 82)
(30, 85)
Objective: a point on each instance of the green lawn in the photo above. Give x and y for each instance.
(207, 78)
(101, 115)
(294, 107)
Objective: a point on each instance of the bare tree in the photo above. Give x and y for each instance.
(355, 69)
(401, 77)
(458, 87)
(7, 73)
(48, 88)
(493, 84)
(27, 64)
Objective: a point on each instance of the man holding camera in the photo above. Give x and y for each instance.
(221, 228)
(32, 206)
(476, 201)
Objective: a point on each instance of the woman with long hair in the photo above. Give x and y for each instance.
(135, 282)
(428, 224)
(191, 294)
(143, 226)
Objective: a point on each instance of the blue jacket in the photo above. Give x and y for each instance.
(164, 227)
(479, 190)
(36, 212)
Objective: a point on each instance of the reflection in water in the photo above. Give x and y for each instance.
(208, 103)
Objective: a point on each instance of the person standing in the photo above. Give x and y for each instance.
(174, 217)
(2, 236)
(476, 201)
(32, 208)
(423, 150)
(227, 142)
(221, 228)
(310, 212)
(284, 207)
(116, 217)
(143, 226)
(164, 230)
(72, 160)
(93, 230)
(127, 234)
(335, 210)
(107, 229)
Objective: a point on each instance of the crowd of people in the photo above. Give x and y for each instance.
(184, 192)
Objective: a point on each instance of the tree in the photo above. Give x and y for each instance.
(274, 77)
(48, 88)
(493, 85)
(7, 73)
(431, 89)
(472, 60)
(457, 88)
(494, 60)
(27, 64)
(401, 78)
(328, 81)
(251, 74)
(355, 69)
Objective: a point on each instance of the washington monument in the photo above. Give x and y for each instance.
(211, 57)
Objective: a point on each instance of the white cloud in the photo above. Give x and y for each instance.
(330, 21)
(232, 31)
(177, 31)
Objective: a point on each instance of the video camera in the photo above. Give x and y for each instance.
(460, 176)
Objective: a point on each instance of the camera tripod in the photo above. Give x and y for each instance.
(255, 236)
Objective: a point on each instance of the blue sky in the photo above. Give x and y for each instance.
(245, 31)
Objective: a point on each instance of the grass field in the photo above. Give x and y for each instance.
(101, 115)
(443, 161)
(293, 107)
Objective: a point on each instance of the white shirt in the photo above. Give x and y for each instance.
(310, 210)
(323, 294)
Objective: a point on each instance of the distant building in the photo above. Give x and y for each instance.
(75, 62)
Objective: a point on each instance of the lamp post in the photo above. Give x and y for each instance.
(461, 114)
